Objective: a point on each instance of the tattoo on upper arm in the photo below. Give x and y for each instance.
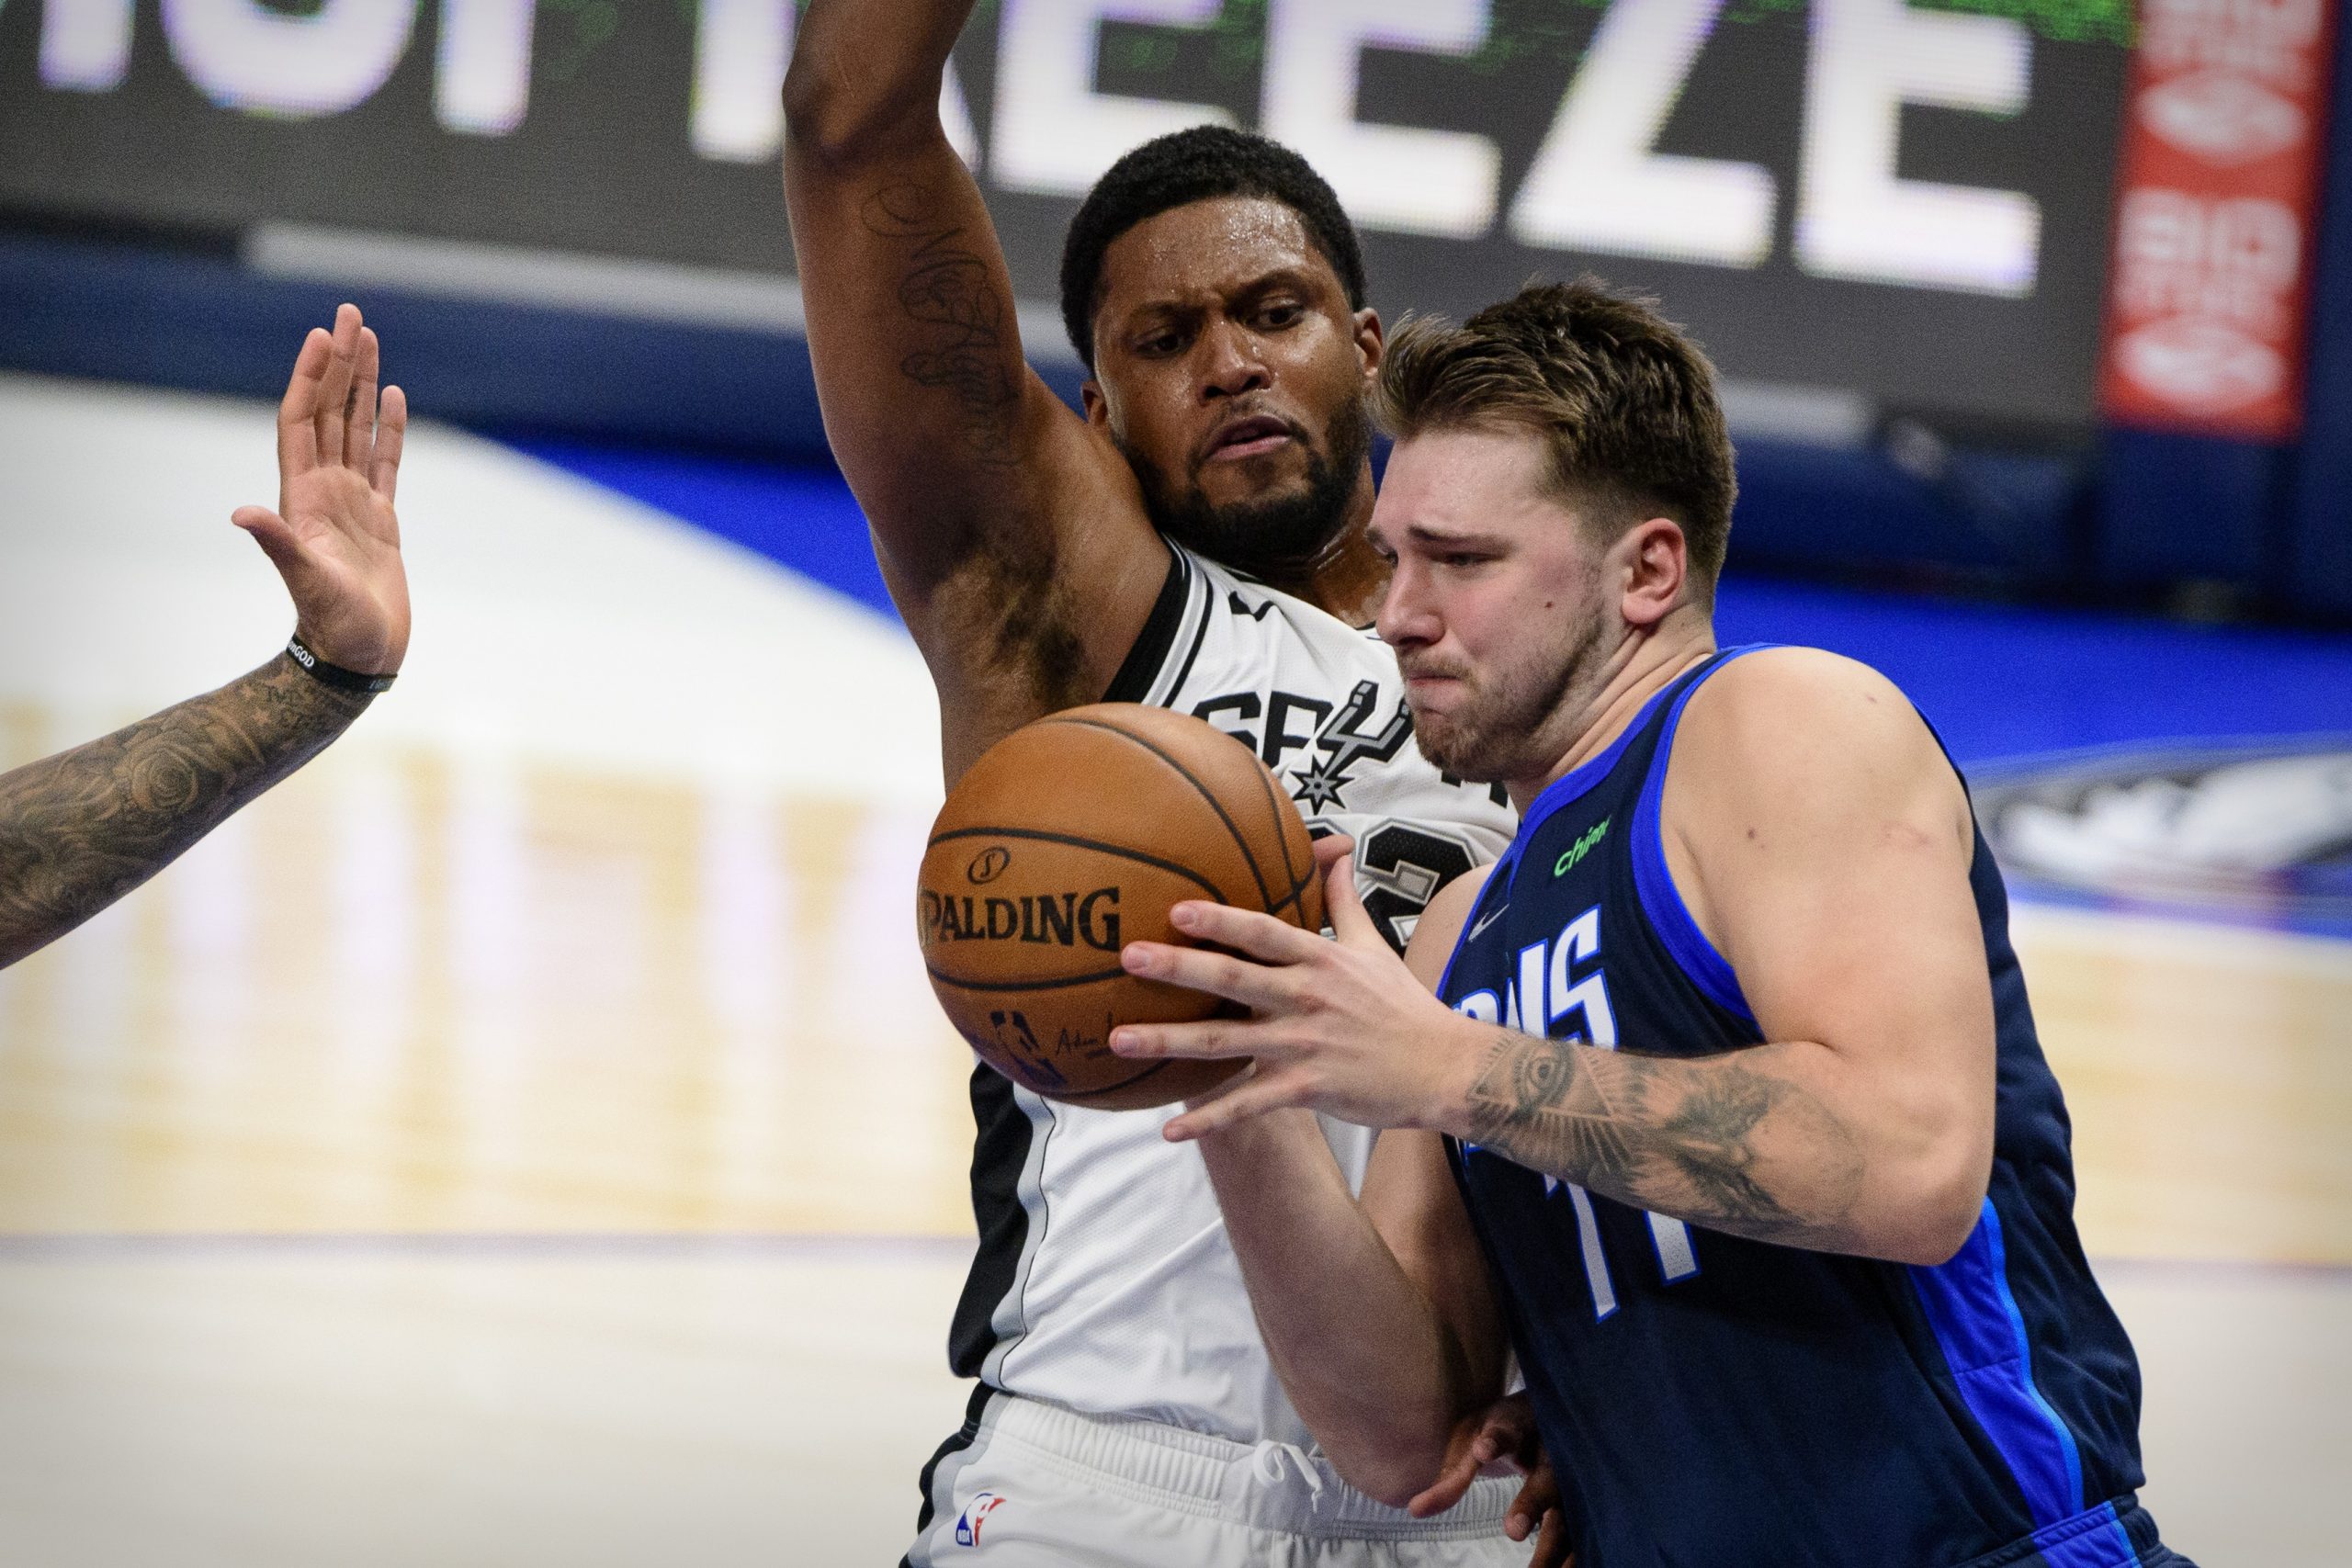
(1677, 1137)
(947, 287)
(82, 828)
(1009, 597)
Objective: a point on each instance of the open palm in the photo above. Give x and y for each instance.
(335, 537)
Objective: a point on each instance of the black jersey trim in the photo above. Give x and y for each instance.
(1200, 636)
(1000, 1154)
(957, 1441)
(1150, 653)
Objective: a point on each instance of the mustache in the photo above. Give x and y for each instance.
(1216, 438)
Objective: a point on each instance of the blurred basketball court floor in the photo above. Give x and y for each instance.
(527, 1135)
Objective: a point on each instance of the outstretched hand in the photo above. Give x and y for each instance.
(1341, 1027)
(1502, 1439)
(335, 537)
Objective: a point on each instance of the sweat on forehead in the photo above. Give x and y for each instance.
(1186, 166)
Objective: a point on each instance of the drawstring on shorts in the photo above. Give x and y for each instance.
(1267, 1465)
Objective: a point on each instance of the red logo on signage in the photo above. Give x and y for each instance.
(2207, 304)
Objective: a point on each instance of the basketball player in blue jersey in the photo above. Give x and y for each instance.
(1193, 540)
(1729, 1106)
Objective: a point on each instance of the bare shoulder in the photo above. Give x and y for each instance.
(1812, 681)
(1800, 734)
(1440, 927)
(1806, 714)
(1800, 781)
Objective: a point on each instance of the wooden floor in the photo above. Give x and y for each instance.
(599, 1403)
(441, 1162)
(589, 1402)
(527, 1135)
(405, 995)
(2209, 1071)
(395, 995)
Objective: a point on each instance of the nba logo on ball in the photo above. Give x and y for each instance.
(967, 1527)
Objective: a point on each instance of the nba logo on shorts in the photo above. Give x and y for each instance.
(968, 1527)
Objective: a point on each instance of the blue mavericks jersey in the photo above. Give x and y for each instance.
(1711, 1402)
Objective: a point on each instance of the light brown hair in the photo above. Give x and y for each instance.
(1625, 403)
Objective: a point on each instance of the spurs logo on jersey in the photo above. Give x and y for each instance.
(1341, 734)
(1401, 865)
(1103, 1281)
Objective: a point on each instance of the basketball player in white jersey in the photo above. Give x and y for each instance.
(1194, 541)
(80, 828)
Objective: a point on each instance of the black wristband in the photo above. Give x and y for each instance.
(335, 675)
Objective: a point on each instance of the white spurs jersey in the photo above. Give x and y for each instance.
(1105, 1281)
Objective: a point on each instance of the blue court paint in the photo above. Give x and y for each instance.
(803, 517)
(1996, 681)
(2003, 680)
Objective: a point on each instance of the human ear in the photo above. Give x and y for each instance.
(1372, 342)
(1656, 561)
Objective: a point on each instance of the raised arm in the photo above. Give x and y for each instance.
(1378, 1316)
(82, 828)
(991, 501)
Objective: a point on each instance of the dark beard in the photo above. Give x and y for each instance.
(1281, 537)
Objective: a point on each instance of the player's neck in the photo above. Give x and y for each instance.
(1348, 579)
(1597, 711)
(1349, 583)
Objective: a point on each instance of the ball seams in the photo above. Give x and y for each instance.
(1121, 1086)
(1072, 840)
(1267, 788)
(1094, 979)
(1249, 856)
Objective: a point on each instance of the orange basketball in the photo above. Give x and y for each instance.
(1072, 836)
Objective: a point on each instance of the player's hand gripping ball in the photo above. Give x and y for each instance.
(1072, 836)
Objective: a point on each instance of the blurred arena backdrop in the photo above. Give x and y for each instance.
(527, 1135)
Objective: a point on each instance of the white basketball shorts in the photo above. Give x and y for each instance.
(1038, 1484)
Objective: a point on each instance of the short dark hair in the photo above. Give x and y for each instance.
(1625, 403)
(1197, 164)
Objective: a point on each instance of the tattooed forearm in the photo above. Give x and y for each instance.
(946, 289)
(82, 828)
(1712, 1141)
